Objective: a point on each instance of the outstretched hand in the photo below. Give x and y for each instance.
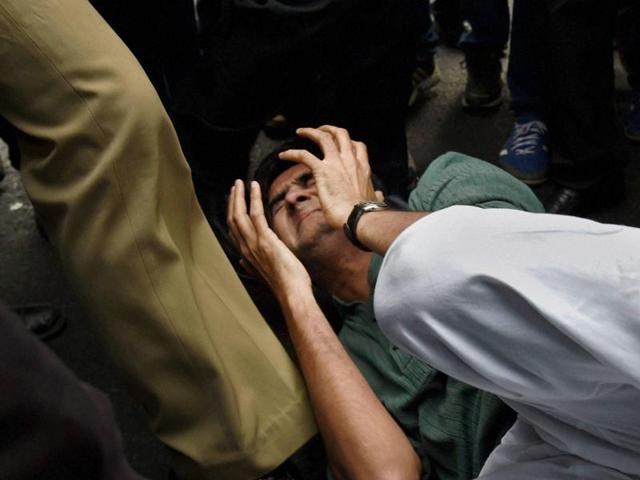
(343, 178)
(260, 246)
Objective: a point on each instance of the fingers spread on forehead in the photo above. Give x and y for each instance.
(340, 137)
(323, 139)
(360, 152)
(300, 156)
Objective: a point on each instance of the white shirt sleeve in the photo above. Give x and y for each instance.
(516, 303)
(542, 310)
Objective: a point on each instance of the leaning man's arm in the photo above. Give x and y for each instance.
(514, 303)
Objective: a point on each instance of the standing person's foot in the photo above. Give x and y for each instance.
(424, 78)
(484, 79)
(605, 193)
(632, 119)
(525, 155)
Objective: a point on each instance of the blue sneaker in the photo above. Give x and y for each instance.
(632, 119)
(525, 155)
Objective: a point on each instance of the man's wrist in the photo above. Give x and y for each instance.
(350, 226)
(295, 295)
(299, 308)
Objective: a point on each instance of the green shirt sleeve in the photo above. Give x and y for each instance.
(457, 179)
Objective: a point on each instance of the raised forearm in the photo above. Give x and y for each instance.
(362, 439)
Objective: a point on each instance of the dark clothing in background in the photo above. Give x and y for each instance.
(629, 39)
(583, 124)
(52, 426)
(561, 70)
(470, 24)
(231, 65)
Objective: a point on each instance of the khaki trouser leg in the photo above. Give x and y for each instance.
(104, 169)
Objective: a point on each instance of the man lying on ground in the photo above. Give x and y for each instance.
(541, 310)
(451, 426)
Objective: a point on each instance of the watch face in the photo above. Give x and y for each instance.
(369, 206)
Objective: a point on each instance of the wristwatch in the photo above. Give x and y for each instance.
(351, 226)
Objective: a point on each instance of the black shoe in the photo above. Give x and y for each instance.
(581, 202)
(42, 319)
(484, 79)
(565, 201)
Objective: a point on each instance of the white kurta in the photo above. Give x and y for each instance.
(543, 311)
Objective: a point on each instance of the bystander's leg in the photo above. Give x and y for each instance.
(103, 167)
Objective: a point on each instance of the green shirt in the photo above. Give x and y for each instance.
(452, 426)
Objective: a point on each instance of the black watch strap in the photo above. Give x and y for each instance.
(351, 226)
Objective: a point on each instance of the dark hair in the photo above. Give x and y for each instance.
(272, 166)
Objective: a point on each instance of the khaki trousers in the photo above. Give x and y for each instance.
(103, 167)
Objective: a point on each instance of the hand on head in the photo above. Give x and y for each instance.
(259, 245)
(343, 178)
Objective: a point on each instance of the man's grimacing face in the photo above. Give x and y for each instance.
(295, 212)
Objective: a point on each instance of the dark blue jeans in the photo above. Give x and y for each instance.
(561, 69)
(527, 74)
(529, 60)
(487, 24)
